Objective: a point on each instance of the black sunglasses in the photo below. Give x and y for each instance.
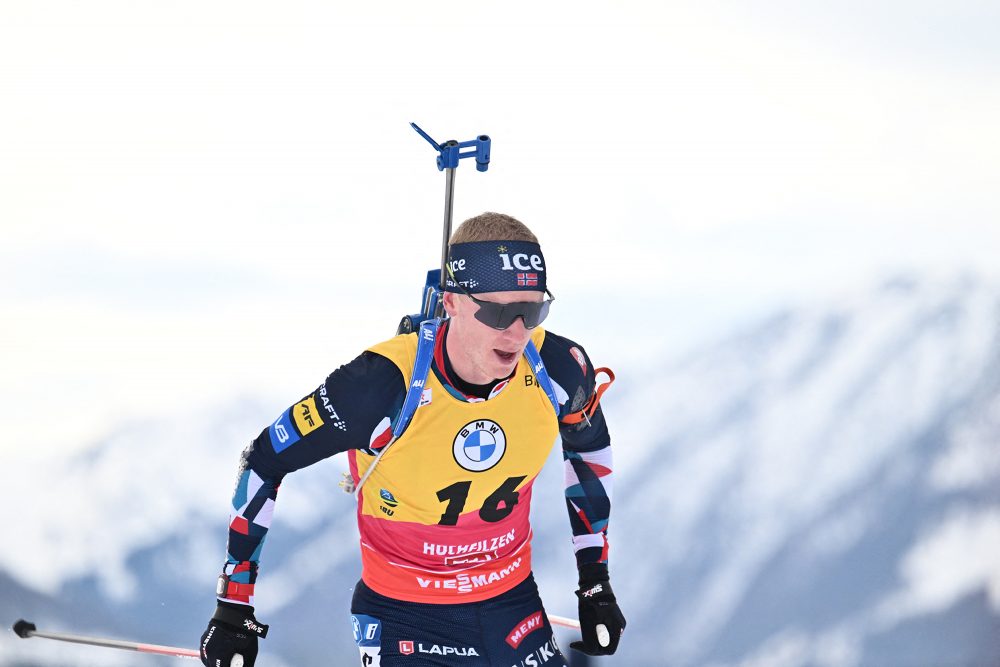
(501, 315)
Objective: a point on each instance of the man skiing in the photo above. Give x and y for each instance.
(443, 514)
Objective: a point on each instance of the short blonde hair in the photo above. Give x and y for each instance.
(491, 226)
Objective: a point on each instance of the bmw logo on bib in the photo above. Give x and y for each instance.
(480, 445)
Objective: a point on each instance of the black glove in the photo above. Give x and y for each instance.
(601, 621)
(232, 631)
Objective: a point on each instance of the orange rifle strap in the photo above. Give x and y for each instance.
(588, 410)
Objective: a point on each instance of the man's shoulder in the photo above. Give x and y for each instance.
(565, 357)
(371, 368)
(401, 350)
(569, 367)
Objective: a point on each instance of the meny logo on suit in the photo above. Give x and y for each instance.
(409, 647)
(525, 628)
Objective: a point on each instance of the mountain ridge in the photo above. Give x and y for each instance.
(781, 495)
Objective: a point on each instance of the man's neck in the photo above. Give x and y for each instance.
(459, 373)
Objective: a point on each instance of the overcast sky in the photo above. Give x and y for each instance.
(207, 199)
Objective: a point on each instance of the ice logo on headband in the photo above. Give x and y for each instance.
(496, 266)
(520, 261)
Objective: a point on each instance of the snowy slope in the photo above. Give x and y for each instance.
(127, 539)
(815, 488)
(822, 489)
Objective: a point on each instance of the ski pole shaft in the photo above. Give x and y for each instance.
(449, 200)
(563, 621)
(26, 630)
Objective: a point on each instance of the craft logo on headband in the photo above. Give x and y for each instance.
(496, 266)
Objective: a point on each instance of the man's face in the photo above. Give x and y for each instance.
(479, 353)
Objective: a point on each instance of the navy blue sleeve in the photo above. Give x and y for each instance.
(570, 368)
(341, 414)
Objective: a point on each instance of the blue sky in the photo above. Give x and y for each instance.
(207, 200)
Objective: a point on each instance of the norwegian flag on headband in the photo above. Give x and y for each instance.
(527, 280)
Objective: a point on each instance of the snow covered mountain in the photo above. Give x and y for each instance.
(821, 489)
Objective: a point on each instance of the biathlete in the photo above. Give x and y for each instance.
(443, 517)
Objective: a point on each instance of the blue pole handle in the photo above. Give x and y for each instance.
(450, 152)
(482, 152)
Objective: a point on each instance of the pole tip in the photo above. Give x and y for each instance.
(23, 629)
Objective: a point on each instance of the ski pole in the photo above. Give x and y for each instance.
(603, 636)
(25, 630)
(563, 621)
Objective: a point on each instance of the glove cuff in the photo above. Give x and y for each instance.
(593, 573)
(239, 617)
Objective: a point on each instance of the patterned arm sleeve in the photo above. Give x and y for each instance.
(340, 414)
(586, 449)
(249, 521)
(588, 478)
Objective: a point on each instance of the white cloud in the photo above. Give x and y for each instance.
(715, 163)
(957, 559)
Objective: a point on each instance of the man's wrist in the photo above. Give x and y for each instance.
(240, 617)
(591, 573)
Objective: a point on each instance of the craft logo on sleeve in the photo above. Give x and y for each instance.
(307, 417)
(332, 415)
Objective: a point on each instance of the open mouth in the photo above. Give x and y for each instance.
(505, 357)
